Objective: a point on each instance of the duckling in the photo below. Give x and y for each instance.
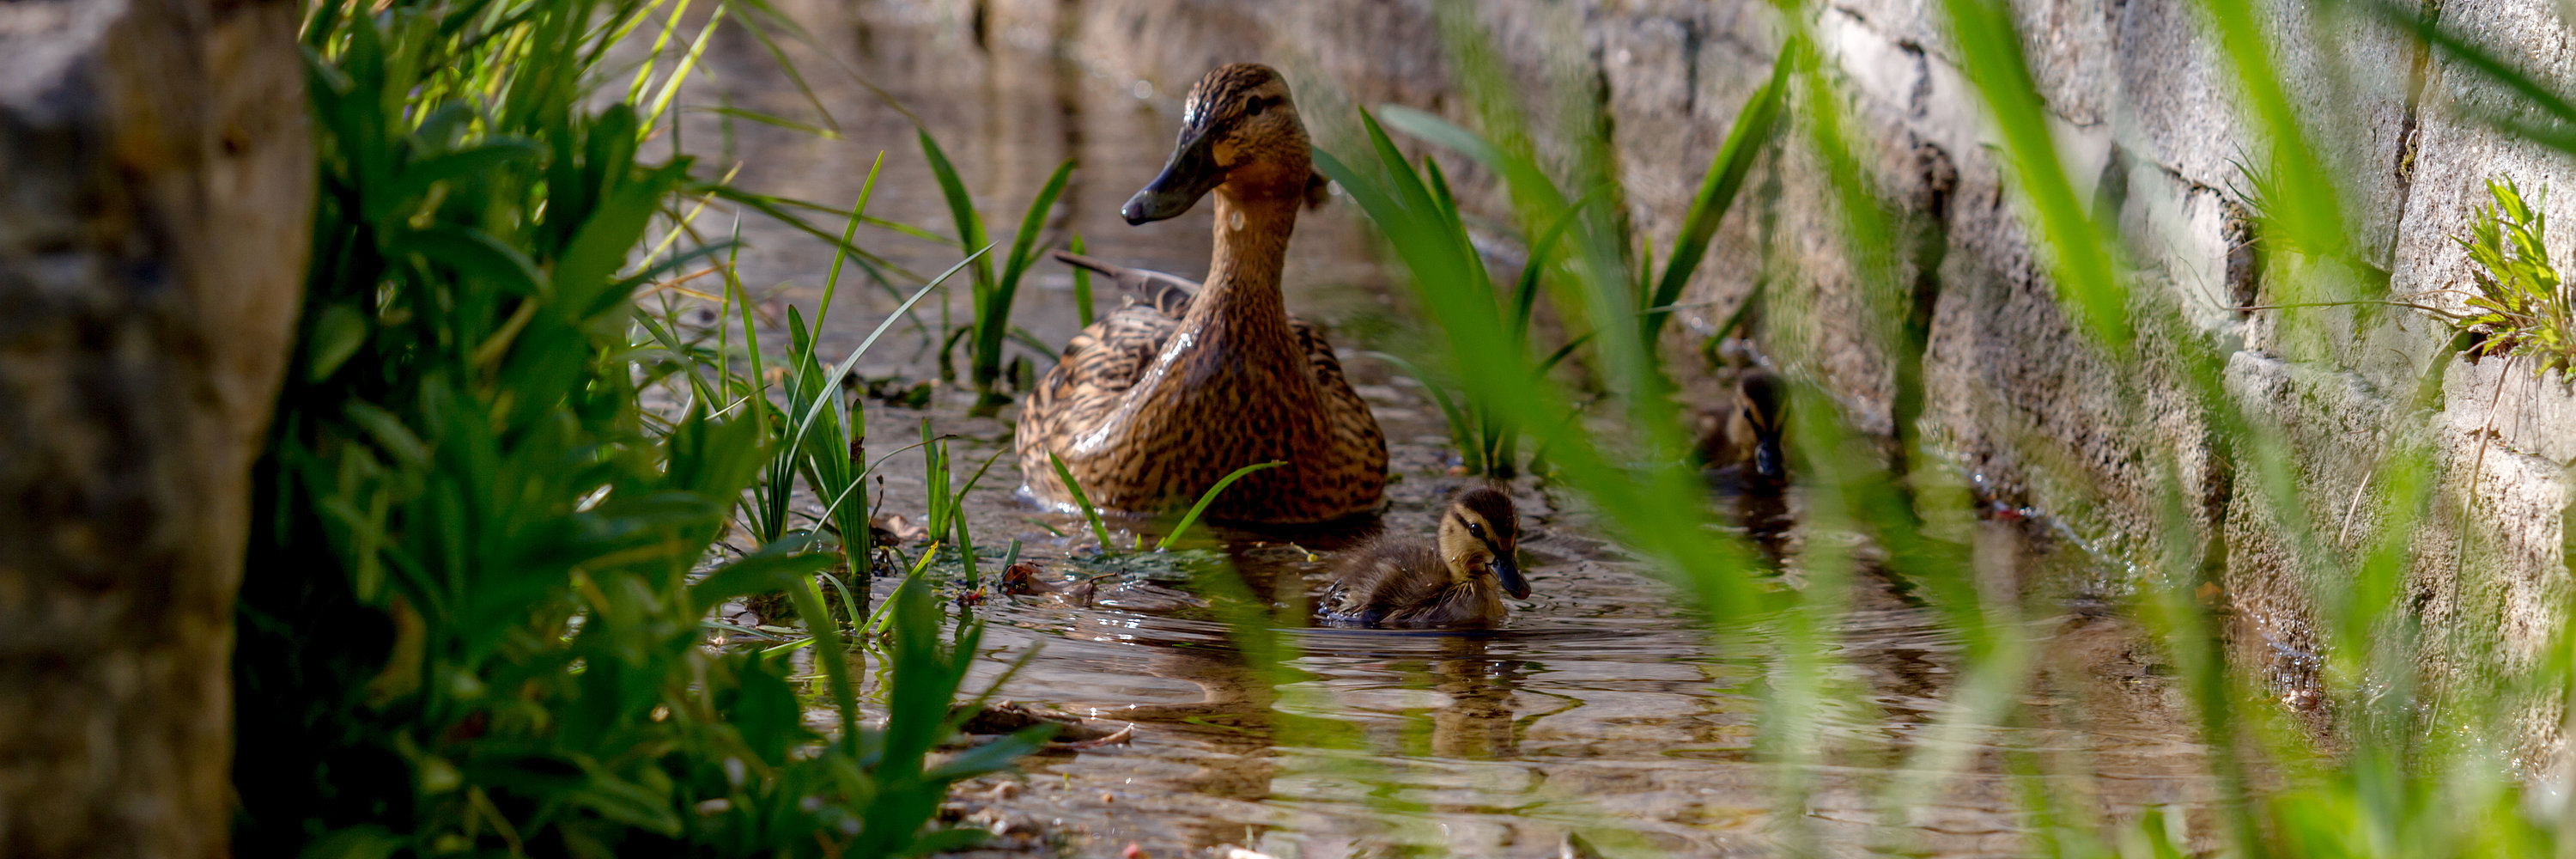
(1396, 581)
(1157, 401)
(1746, 432)
(1745, 435)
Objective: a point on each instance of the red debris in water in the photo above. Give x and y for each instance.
(1021, 579)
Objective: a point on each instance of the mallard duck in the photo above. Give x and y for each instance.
(1157, 401)
(1403, 581)
(1745, 433)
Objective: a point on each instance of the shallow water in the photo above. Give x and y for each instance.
(1603, 707)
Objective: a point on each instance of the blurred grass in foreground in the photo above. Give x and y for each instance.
(2395, 777)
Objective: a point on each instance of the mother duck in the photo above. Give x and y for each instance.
(1156, 402)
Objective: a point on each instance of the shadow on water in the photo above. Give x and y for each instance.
(1603, 706)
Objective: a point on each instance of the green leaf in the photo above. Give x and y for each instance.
(390, 435)
(476, 253)
(337, 335)
(1209, 497)
(599, 249)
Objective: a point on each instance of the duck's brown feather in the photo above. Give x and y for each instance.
(1154, 404)
(1093, 380)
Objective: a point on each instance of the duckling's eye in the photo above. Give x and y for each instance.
(1261, 104)
(1476, 530)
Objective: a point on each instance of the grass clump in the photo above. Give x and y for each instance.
(479, 569)
(1640, 298)
(2520, 305)
(993, 293)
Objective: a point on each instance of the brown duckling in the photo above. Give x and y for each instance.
(1157, 401)
(1746, 432)
(1405, 581)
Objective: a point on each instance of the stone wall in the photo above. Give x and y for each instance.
(156, 197)
(2146, 113)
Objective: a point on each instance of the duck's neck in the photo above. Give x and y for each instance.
(1241, 298)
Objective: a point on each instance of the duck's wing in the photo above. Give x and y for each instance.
(1098, 366)
(1163, 291)
(1350, 416)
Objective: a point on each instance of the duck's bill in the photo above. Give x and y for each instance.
(1769, 461)
(1191, 174)
(1508, 571)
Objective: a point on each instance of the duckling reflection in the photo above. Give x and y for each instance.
(1257, 733)
(1477, 724)
(1460, 581)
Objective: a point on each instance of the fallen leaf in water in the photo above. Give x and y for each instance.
(896, 529)
(1021, 580)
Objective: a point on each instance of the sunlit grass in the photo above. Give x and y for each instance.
(482, 569)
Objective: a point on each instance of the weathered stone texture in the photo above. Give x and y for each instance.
(155, 188)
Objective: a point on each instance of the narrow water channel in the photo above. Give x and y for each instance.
(1602, 707)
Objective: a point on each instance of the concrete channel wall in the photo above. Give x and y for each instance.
(2146, 113)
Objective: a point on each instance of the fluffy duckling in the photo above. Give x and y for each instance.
(1399, 581)
(1746, 432)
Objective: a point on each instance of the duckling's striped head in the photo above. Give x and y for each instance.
(1239, 130)
(1480, 533)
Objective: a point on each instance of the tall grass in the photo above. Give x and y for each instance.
(2401, 778)
(1488, 440)
(472, 623)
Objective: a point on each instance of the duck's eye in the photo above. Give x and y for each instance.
(1475, 529)
(1261, 104)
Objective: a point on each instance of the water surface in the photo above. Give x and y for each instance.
(1603, 707)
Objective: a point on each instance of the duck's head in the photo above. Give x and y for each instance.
(1239, 131)
(1480, 535)
(1760, 395)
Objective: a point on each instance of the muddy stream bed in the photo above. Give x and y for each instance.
(1602, 707)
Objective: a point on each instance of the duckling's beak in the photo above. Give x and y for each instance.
(1508, 570)
(1767, 458)
(1191, 174)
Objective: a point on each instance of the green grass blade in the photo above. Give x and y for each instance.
(1209, 497)
(680, 75)
(1753, 128)
(1081, 284)
(2306, 204)
(1542, 254)
(961, 208)
(1089, 513)
(1449, 412)
(833, 379)
(993, 313)
(2085, 273)
(841, 251)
